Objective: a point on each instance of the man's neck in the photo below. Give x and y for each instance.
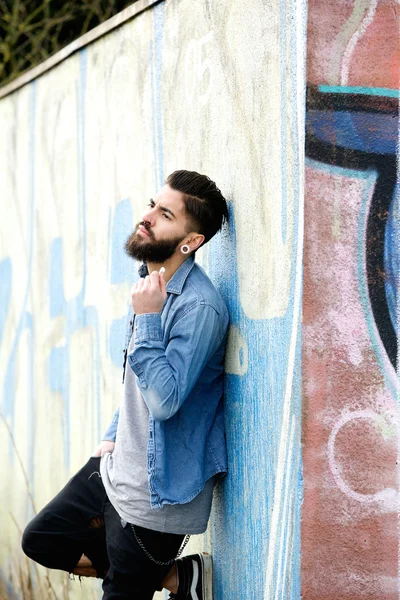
(171, 265)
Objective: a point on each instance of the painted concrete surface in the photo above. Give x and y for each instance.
(349, 535)
(214, 87)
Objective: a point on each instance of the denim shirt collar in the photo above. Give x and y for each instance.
(177, 281)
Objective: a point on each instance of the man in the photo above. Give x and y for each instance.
(150, 482)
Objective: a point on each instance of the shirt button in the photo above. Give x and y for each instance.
(144, 385)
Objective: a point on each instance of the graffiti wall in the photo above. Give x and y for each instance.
(213, 87)
(350, 542)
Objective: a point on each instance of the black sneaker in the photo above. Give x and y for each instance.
(194, 577)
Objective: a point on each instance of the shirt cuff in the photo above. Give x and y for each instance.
(111, 432)
(148, 327)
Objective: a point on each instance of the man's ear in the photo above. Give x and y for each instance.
(196, 239)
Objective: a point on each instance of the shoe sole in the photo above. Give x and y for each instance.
(207, 575)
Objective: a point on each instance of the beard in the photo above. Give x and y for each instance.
(151, 250)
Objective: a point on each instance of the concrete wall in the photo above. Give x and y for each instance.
(212, 86)
(218, 87)
(350, 545)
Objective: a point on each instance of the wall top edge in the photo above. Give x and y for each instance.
(94, 34)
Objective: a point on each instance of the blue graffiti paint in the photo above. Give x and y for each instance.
(58, 371)
(5, 286)
(109, 240)
(115, 340)
(121, 272)
(156, 98)
(77, 317)
(367, 91)
(8, 405)
(354, 130)
(81, 102)
(76, 314)
(253, 409)
(159, 15)
(292, 547)
(59, 375)
(392, 260)
(8, 401)
(121, 264)
(92, 320)
(56, 292)
(153, 119)
(30, 413)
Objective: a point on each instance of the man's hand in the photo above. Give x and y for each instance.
(149, 294)
(104, 447)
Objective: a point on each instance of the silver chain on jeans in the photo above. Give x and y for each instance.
(159, 562)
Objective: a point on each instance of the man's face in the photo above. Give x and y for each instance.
(161, 230)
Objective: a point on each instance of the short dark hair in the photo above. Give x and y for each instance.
(204, 202)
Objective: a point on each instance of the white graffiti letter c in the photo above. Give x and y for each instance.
(388, 498)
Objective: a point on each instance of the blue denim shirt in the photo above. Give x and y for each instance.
(178, 358)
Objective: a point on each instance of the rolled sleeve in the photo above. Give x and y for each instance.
(111, 432)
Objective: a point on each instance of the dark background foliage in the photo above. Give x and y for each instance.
(32, 30)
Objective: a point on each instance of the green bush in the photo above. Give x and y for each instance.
(33, 30)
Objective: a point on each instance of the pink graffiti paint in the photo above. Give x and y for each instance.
(350, 425)
(350, 516)
(341, 36)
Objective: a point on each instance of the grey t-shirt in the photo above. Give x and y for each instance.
(125, 478)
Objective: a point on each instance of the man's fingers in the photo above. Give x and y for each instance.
(158, 282)
(137, 286)
(163, 285)
(149, 295)
(146, 283)
(154, 280)
(103, 447)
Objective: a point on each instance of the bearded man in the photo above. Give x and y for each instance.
(125, 516)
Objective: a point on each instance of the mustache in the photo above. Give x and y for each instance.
(146, 226)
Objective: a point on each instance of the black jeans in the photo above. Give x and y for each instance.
(81, 520)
